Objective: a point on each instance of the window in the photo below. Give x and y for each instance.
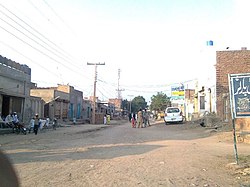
(202, 102)
(173, 110)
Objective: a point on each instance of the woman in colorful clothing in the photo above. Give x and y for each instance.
(133, 120)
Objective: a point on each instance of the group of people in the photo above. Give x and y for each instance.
(11, 120)
(140, 120)
(37, 123)
(34, 124)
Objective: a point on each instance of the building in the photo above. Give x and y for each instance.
(75, 101)
(230, 62)
(189, 104)
(62, 102)
(15, 83)
(87, 110)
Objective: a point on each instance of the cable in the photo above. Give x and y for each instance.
(35, 31)
(104, 89)
(31, 39)
(35, 48)
(27, 57)
(36, 41)
(59, 16)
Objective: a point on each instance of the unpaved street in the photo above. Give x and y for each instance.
(118, 155)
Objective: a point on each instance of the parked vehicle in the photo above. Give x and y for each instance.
(173, 115)
(19, 127)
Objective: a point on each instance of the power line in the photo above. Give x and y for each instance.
(34, 36)
(60, 18)
(32, 39)
(27, 57)
(111, 95)
(36, 31)
(68, 67)
(35, 48)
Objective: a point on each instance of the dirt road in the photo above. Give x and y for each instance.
(118, 155)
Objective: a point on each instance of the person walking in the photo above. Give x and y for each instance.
(105, 120)
(133, 120)
(130, 117)
(139, 119)
(144, 123)
(36, 124)
(32, 124)
(146, 118)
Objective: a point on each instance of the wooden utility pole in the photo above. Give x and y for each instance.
(94, 96)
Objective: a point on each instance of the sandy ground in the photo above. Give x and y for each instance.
(206, 161)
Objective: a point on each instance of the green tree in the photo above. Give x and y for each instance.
(159, 102)
(125, 104)
(137, 103)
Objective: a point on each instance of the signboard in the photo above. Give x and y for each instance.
(177, 92)
(240, 95)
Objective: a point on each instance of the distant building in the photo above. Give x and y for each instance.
(62, 102)
(117, 103)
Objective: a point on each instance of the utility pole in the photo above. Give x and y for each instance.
(130, 102)
(94, 96)
(119, 96)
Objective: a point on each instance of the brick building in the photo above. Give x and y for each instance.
(230, 62)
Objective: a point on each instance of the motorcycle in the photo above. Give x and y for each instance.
(19, 128)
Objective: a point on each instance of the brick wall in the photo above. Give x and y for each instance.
(229, 62)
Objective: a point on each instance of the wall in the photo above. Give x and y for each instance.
(229, 62)
(56, 102)
(15, 82)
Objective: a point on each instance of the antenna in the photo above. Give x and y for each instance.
(119, 95)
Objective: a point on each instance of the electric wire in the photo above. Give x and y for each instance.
(36, 43)
(35, 48)
(36, 31)
(40, 39)
(103, 88)
(60, 18)
(51, 72)
(34, 36)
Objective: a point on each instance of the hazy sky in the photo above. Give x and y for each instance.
(154, 43)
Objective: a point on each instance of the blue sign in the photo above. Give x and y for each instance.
(240, 95)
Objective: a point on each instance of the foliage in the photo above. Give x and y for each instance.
(159, 102)
(125, 104)
(137, 103)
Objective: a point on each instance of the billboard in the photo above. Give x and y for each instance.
(177, 92)
(240, 95)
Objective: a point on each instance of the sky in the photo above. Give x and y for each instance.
(147, 46)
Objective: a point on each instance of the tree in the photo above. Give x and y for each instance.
(125, 104)
(159, 102)
(137, 103)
